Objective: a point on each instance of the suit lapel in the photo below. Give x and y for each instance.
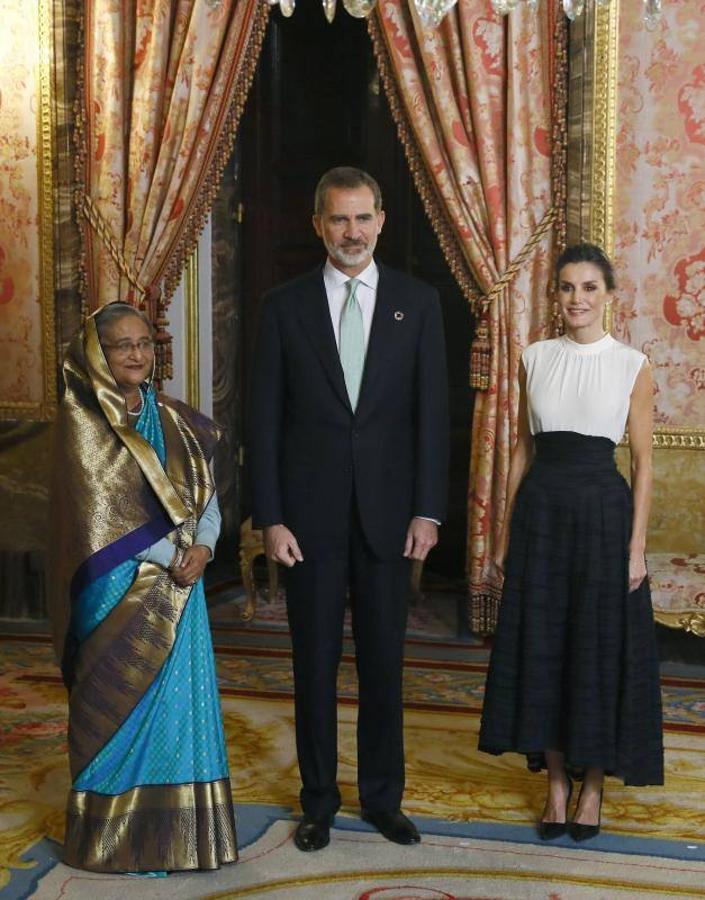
(314, 314)
(381, 337)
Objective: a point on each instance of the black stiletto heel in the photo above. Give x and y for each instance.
(548, 831)
(580, 832)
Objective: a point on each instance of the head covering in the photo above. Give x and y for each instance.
(111, 497)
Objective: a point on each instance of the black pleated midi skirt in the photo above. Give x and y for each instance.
(574, 664)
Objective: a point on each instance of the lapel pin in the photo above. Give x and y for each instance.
(398, 316)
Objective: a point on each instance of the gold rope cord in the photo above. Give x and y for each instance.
(104, 232)
(514, 267)
(481, 347)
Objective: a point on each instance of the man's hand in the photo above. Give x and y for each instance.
(281, 546)
(192, 565)
(421, 537)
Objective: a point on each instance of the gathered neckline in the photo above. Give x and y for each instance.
(591, 348)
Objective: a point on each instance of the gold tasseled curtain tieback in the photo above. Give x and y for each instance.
(481, 347)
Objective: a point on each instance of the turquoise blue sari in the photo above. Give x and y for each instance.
(162, 777)
(175, 733)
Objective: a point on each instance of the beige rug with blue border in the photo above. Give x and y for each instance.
(476, 812)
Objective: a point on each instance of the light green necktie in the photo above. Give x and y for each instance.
(352, 343)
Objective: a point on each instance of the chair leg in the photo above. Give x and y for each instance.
(247, 562)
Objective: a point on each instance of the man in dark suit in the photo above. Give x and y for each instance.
(348, 455)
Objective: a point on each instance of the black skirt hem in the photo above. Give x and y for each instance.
(536, 762)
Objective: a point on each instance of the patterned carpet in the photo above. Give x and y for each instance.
(476, 812)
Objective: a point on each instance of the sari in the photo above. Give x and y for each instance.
(150, 782)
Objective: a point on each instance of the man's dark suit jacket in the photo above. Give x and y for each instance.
(310, 455)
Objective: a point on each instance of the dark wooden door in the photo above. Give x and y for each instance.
(316, 103)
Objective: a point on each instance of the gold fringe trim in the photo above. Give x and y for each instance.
(172, 269)
(171, 272)
(433, 205)
(481, 354)
(152, 828)
(484, 607)
(155, 297)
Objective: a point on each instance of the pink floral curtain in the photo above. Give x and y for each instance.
(473, 103)
(163, 87)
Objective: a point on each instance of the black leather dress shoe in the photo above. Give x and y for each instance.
(311, 835)
(393, 825)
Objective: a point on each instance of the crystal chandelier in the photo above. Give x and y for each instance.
(431, 12)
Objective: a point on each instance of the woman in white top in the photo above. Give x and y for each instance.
(573, 678)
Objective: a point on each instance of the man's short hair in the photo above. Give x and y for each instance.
(348, 178)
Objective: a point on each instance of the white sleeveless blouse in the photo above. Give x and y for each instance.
(580, 387)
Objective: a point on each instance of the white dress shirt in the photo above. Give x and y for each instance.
(336, 283)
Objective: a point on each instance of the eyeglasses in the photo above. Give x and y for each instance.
(124, 348)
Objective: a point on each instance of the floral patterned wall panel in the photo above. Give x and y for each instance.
(27, 376)
(660, 203)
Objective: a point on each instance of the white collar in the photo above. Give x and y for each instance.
(369, 275)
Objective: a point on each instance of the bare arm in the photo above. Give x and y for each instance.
(640, 425)
(522, 454)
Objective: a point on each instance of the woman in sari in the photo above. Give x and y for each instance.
(137, 523)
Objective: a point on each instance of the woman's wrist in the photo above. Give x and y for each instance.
(176, 559)
(637, 546)
(208, 550)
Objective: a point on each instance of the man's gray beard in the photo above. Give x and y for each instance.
(351, 259)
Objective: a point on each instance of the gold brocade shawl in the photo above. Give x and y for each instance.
(108, 483)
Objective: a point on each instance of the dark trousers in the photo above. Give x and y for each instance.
(317, 591)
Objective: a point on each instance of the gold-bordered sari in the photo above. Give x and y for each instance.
(117, 490)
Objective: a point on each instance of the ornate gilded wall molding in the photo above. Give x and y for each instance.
(45, 172)
(592, 125)
(679, 438)
(44, 408)
(604, 125)
(592, 147)
(580, 125)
